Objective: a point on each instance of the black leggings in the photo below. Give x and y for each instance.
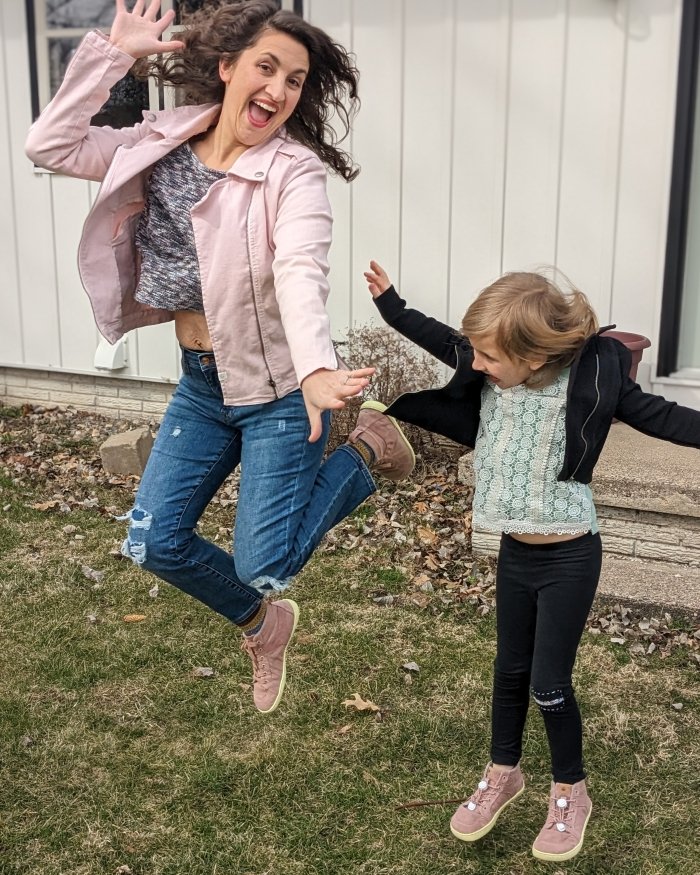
(543, 595)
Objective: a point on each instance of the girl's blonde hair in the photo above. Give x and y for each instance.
(530, 318)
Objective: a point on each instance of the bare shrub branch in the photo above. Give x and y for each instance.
(401, 367)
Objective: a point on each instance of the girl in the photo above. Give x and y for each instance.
(536, 387)
(215, 215)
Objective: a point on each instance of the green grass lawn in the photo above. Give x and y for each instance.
(115, 758)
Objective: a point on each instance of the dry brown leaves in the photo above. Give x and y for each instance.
(422, 527)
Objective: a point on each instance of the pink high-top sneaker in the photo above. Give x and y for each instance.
(477, 816)
(393, 455)
(561, 838)
(268, 652)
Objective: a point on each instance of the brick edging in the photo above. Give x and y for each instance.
(112, 396)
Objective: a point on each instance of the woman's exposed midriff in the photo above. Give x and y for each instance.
(192, 331)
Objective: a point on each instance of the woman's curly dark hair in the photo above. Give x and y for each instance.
(223, 32)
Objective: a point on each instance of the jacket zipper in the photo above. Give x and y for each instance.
(588, 418)
(271, 382)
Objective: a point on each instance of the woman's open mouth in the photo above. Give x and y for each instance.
(260, 112)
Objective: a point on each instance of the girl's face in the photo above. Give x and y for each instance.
(499, 368)
(263, 87)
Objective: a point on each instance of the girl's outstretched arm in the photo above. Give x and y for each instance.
(657, 417)
(433, 336)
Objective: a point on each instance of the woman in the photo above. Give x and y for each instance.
(215, 215)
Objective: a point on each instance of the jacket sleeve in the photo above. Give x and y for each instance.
(62, 139)
(657, 417)
(301, 239)
(434, 337)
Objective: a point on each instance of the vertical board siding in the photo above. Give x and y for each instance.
(36, 274)
(533, 151)
(593, 106)
(427, 153)
(532, 132)
(645, 164)
(78, 335)
(11, 333)
(153, 352)
(689, 351)
(492, 136)
(377, 136)
(337, 19)
(482, 42)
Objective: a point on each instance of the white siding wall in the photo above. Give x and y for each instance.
(506, 135)
(493, 136)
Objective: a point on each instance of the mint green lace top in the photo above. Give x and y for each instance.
(519, 452)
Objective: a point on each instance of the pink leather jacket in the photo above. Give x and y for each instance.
(262, 233)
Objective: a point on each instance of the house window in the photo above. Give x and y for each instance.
(56, 27)
(679, 341)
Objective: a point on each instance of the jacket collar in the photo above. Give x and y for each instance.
(187, 121)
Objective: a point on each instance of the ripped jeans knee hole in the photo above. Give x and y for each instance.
(139, 520)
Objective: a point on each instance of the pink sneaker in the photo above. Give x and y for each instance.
(268, 652)
(477, 816)
(561, 838)
(393, 455)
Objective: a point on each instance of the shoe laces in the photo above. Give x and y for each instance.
(257, 657)
(561, 812)
(484, 793)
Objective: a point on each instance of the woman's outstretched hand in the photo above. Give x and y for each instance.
(327, 390)
(377, 279)
(138, 32)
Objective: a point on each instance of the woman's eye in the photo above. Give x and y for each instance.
(295, 83)
(266, 68)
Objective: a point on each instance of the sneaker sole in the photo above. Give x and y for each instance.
(480, 833)
(377, 405)
(295, 610)
(567, 855)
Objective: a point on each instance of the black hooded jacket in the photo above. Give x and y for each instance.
(599, 390)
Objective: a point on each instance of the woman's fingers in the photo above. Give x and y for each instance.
(139, 32)
(152, 12)
(353, 382)
(173, 46)
(316, 426)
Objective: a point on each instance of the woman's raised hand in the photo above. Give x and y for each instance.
(377, 279)
(327, 390)
(138, 32)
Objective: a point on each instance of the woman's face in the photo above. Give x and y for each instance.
(263, 87)
(497, 365)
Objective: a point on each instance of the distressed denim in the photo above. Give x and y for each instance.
(288, 497)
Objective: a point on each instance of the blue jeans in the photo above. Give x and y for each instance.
(288, 497)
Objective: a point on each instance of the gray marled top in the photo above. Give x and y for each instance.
(169, 276)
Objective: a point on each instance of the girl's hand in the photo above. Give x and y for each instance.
(377, 279)
(327, 390)
(138, 33)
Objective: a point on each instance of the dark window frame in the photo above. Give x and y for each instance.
(39, 38)
(677, 242)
